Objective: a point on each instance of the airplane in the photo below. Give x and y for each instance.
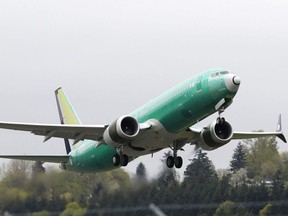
(165, 122)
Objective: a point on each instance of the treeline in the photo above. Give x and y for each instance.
(255, 184)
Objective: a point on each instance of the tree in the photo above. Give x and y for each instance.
(165, 188)
(229, 208)
(266, 210)
(284, 165)
(141, 173)
(239, 177)
(263, 159)
(37, 168)
(200, 166)
(238, 159)
(17, 173)
(74, 209)
(41, 213)
(200, 182)
(277, 192)
(223, 188)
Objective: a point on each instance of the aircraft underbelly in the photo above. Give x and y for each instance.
(153, 140)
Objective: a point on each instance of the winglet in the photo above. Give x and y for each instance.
(279, 129)
(279, 125)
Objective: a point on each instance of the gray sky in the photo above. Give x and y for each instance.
(113, 56)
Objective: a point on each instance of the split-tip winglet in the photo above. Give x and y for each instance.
(279, 129)
(282, 137)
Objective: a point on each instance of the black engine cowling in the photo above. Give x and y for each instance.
(123, 129)
(215, 135)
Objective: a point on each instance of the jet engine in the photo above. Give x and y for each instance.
(215, 135)
(123, 129)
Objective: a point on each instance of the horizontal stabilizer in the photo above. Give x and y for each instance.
(44, 158)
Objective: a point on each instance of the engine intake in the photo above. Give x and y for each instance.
(215, 135)
(123, 129)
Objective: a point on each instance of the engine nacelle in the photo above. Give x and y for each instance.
(124, 129)
(215, 135)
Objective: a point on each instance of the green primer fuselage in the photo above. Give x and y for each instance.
(176, 110)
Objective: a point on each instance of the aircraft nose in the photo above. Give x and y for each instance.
(232, 82)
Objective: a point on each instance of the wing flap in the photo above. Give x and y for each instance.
(44, 158)
(92, 132)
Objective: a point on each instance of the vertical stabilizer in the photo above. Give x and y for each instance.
(66, 112)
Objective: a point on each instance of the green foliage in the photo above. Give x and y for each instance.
(229, 208)
(266, 210)
(284, 165)
(223, 188)
(41, 213)
(17, 171)
(27, 188)
(200, 180)
(74, 209)
(238, 159)
(263, 159)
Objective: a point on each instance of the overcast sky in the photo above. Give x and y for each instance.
(113, 56)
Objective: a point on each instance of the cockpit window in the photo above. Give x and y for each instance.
(214, 74)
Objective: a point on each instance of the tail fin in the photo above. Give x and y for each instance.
(66, 112)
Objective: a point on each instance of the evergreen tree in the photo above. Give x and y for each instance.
(238, 159)
(166, 187)
(141, 172)
(201, 166)
(223, 188)
(277, 187)
(200, 183)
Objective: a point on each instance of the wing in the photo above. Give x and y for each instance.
(218, 134)
(44, 158)
(251, 135)
(76, 132)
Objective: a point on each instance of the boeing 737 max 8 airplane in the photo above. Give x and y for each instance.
(166, 121)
